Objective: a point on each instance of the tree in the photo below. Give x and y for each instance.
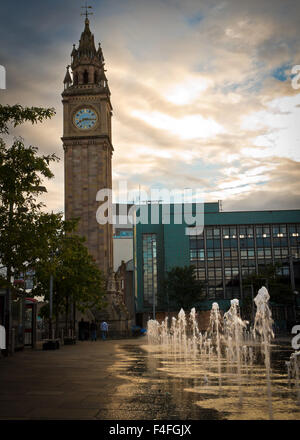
(22, 172)
(16, 115)
(182, 289)
(77, 281)
(278, 286)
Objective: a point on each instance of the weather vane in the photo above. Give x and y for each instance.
(86, 13)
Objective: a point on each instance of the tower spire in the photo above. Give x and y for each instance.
(86, 13)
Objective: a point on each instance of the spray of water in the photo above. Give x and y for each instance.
(226, 344)
(263, 330)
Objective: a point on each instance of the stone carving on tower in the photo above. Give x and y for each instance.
(87, 143)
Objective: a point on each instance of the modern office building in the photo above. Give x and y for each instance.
(230, 247)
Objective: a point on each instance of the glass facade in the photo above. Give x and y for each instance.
(150, 268)
(224, 255)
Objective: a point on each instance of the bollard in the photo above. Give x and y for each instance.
(13, 336)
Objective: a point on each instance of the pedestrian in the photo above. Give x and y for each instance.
(93, 328)
(104, 330)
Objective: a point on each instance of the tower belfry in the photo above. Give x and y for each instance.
(87, 143)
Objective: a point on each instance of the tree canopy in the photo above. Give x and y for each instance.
(181, 288)
(31, 238)
(278, 285)
(76, 278)
(22, 171)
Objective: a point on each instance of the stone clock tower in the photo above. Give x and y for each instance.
(87, 145)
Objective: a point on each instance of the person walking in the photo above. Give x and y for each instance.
(93, 328)
(104, 330)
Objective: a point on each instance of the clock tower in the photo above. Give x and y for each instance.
(87, 144)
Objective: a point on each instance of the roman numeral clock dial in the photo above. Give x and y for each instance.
(85, 119)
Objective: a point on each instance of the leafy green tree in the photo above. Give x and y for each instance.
(15, 115)
(22, 172)
(278, 287)
(77, 281)
(182, 289)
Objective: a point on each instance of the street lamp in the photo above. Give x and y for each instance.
(295, 292)
(153, 291)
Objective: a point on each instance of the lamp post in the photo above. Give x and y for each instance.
(50, 306)
(293, 284)
(153, 291)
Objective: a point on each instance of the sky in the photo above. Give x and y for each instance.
(201, 91)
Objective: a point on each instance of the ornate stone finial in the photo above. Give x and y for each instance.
(111, 281)
(68, 79)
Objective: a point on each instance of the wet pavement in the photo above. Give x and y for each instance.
(127, 379)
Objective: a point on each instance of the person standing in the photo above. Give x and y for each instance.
(93, 328)
(104, 330)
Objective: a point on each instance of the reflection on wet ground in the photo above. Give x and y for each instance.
(160, 385)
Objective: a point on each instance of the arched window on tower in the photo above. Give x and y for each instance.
(96, 78)
(75, 79)
(85, 77)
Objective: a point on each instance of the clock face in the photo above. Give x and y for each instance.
(85, 119)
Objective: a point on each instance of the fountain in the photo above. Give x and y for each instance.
(228, 355)
(263, 328)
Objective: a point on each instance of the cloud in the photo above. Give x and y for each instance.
(201, 92)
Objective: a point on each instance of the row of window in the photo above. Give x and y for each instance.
(244, 243)
(215, 274)
(261, 231)
(231, 253)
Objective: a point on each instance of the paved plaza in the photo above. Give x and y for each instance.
(127, 380)
(110, 379)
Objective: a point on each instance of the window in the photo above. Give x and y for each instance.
(210, 255)
(242, 232)
(249, 232)
(85, 77)
(209, 233)
(268, 253)
(235, 271)
(200, 274)
(250, 253)
(225, 233)
(259, 231)
(150, 268)
(228, 273)
(232, 232)
(217, 254)
(211, 274)
(193, 254)
(219, 273)
(277, 252)
(243, 254)
(216, 232)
